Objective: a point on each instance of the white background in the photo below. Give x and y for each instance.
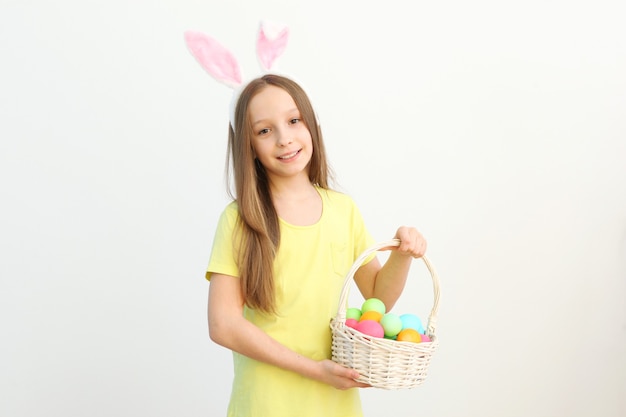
(495, 127)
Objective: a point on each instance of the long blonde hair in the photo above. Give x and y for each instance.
(258, 226)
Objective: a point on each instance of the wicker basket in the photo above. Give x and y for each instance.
(383, 363)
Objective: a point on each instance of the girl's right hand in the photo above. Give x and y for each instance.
(339, 376)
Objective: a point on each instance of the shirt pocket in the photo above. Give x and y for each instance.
(340, 258)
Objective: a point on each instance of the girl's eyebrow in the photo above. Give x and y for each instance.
(258, 122)
(288, 112)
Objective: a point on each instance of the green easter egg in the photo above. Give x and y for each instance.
(353, 313)
(374, 304)
(392, 324)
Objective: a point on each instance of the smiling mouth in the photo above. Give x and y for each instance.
(291, 155)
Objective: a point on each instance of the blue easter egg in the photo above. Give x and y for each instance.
(411, 321)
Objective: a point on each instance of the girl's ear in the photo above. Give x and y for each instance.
(271, 43)
(218, 61)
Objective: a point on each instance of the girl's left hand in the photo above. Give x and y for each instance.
(412, 243)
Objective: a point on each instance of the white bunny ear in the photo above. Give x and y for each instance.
(218, 61)
(271, 43)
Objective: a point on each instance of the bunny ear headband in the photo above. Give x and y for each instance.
(222, 65)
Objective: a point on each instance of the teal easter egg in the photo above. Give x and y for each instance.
(392, 324)
(374, 304)
(411, 321)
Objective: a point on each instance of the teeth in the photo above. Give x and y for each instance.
(288, 156)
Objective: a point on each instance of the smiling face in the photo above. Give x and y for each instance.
(280, 138)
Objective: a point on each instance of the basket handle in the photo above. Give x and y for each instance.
(343, 299)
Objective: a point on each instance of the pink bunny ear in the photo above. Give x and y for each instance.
(271, 43)
(214, 58)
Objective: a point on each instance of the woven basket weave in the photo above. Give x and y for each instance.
(383, 363)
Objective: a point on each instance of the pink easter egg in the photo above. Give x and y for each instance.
(370, 328)
(425, 338)
(352, 323)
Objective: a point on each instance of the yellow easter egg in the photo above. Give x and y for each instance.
(371, 315)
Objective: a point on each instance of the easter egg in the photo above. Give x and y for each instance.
(371, 315)
(351, 323)
(353, 313)
(411, 321)
(426, 338)
(370, 328)
(391, 324)
(409, 335)
(373, 304)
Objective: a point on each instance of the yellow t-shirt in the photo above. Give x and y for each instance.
(309, 271)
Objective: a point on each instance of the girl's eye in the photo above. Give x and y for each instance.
(294, 121)
(263, 132)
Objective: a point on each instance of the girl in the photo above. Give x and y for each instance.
(281, 252)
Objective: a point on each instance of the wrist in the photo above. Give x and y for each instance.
(307, 367)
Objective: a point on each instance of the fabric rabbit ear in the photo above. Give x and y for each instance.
(218, 61)
(271, 43)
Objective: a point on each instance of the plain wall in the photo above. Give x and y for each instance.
(496, 128)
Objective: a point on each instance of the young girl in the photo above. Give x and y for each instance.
(281, 252)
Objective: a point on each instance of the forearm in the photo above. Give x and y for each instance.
(251, 341)
(229, 328)
(391, 279)
(247, 339)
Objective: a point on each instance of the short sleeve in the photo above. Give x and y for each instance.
(223, 257)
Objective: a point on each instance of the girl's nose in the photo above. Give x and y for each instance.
(283, 138)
